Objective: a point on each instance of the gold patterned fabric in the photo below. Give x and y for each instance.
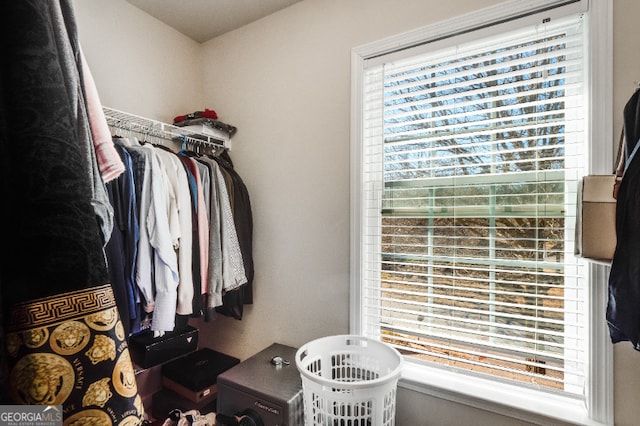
(71, 350)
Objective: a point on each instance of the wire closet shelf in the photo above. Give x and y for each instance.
(147, 127)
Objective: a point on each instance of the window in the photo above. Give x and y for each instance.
(468, 151)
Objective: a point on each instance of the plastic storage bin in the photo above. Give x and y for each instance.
(348, 381)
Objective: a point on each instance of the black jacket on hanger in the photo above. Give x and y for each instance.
(233, 301)
(623, 308)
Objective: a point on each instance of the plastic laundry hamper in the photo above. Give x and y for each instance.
(349, 381)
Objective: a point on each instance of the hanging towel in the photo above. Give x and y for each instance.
(62, 324)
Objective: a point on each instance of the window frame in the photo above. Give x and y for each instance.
(507, 399)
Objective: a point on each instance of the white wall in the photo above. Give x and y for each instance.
(139, 64)
(284, 81)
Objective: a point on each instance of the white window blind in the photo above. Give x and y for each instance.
(470, 160)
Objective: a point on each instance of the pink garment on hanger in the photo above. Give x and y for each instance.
(109, 162)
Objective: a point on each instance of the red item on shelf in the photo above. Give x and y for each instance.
(207, 113)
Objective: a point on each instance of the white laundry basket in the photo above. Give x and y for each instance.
(349, 381)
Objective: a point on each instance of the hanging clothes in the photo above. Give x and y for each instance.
(226, 268)
(157, 269)
(233, 301)
(143, 262)
(623, 308)
(109, 160)
(208, 224)
(61, 322)
(180, 225)
(200, 232)
(122, 248)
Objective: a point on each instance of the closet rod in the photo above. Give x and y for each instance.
(146, 126)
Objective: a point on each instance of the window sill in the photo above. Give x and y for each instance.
(500, 398)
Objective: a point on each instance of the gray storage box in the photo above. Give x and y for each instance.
(273, 392)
